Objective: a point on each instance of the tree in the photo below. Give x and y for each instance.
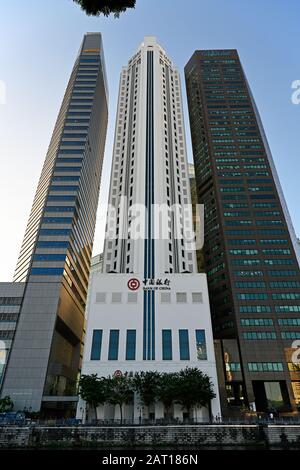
(6, 404)
(193, 388)
(119, 391)
(146, 384)
(92, 390)
(167, 390)
(105, 7)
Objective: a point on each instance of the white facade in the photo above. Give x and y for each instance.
(150, 285)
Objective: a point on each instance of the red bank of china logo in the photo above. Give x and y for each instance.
(133, 284)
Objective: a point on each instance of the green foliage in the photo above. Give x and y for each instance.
(6, 404)
(147, 384)
(189, 387)
(167, 389)
(105, 7)
(193, 388)
(119, 390)
(92, 390)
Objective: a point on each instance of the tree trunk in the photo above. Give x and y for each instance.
(121, 412)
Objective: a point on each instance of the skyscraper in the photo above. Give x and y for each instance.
(250, 247)
(55, 256)
(149, 309)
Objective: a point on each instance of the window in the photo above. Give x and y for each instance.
(265, 366)
(256, 335)
(57, 220)
(100, 297)
(46, 271)
(256, 322)
(113, 348)
(289, 321)
(132, 297)
(116, 297)
(53, 244)
(282, 284)
(165, 297)
(252, 296)
(201, 345)
(130, 345)
(59, 209)
(255, 309)
(287, 308)
(63, 188)
(290, 334)
(233, 366)
(184, 348)
(49, 257)
(197, 297)
(181, 297)
(167, 345)
(66, 178)
(96, 345)
(55, 231)
(250, 284)
(283, 272)
(15, 301)
(286, 296)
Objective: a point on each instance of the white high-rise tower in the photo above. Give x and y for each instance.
(149, 309)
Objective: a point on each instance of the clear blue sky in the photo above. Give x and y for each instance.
(39, 41)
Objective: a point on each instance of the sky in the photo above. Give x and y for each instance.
(39, 41)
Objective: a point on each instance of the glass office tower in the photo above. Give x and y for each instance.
(55, 255)
(250, 247)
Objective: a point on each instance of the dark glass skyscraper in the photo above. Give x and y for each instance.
(250, 249)
(55, 256)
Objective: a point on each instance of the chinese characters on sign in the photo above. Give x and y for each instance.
(156, 284)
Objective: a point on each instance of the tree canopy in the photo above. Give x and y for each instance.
(119, 391)
(146, 384)
(189, 387)
(193, 388)
(6, 404)
(92, 390)
(105, 7)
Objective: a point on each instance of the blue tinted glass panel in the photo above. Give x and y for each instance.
(74, 121)
(59, 209)
(96, 345)
(76, 128)
(46, 271)
(78, 113)
(74, 136)
(167, 345)
(55, 231)
(201, 345)
(69, 160)
(66, 178)
(63, 188)
(184, 348)
(54, 244)
(113, 349)
(62, 169)
(71, 151)
(57, 220)
(62, 198)
(70, 143)
(49, 257)
(130, 345)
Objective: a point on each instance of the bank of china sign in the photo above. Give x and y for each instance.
(149, 284)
